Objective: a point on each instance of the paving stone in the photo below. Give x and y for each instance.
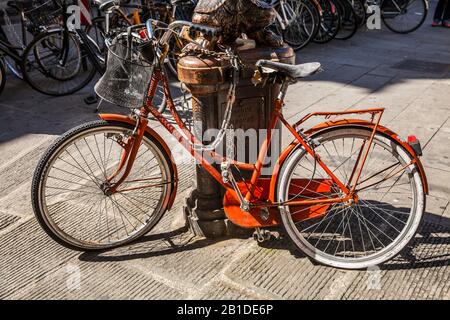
(434, 104)
(13, 149)
(6, 220)
(438, 182)
(222, 291)
(435, 208)
(192, 263)
(437, 152)
(279, 270)
(392, 97)
(82, 280)
(20, 171)
(423, 66)
(26, 255)
(18, 202)
(421, 273)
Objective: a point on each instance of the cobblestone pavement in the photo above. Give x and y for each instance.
(407, 74)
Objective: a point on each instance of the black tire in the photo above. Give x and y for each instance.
(96, 31)
(320, 254)
(310, 16)
(360, 11)
(349, 21)
(330, 22)
(45, 164)
(388, 16)
(40, 79)
(2, 76)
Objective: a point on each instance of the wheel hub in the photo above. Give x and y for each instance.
(106, 189)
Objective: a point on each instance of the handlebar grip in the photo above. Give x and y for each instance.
(209, 31)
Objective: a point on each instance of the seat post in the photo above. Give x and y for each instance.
(284, 87)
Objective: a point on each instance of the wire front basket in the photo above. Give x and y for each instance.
(128, 74)
(43, 13)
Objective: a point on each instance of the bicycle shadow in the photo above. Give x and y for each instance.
(430, 247)
(153, 245)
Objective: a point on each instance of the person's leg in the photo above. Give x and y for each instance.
(446, 15)
(438, 13)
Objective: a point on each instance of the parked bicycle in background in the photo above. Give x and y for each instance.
(303, 21)
(20, 22)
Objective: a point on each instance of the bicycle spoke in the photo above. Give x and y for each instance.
(361, 229)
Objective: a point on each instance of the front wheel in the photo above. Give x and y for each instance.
(359, 234)
(69, 190)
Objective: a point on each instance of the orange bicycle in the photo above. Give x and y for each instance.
(349, 193)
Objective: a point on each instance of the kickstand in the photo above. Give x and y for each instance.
(92, 100)
(98, 106)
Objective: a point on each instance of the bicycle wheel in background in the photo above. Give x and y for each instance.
(2, 75)
(349, 21)
(330, 22)
(302, 24)
(57, 65)
(70, 188)
(9, 32)
(360, 10)
(96, 31)
(183, 12)
(359, 234)
(404, 16)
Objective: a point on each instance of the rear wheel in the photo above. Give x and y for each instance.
(349, 20)
(350, 235)
(404, 16)
(57, 65)
(69, 190)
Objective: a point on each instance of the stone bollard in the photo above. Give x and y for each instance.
(207, 80)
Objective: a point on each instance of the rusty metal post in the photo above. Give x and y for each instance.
(207, 80)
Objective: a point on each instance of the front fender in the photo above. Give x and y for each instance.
(154, 134)
(341, 123)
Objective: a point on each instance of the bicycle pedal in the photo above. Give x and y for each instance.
(262, 235)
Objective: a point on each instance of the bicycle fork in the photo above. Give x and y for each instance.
(131, 148)
(286, 16)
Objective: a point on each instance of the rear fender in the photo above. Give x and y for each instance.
(154, 134)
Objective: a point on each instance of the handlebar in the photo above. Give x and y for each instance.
(179, 24)
(107, 5)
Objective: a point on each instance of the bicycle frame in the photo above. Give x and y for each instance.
(7, 48)
(250, 198)
(186, 138)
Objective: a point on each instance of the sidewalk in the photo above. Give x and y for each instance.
(409, 75)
